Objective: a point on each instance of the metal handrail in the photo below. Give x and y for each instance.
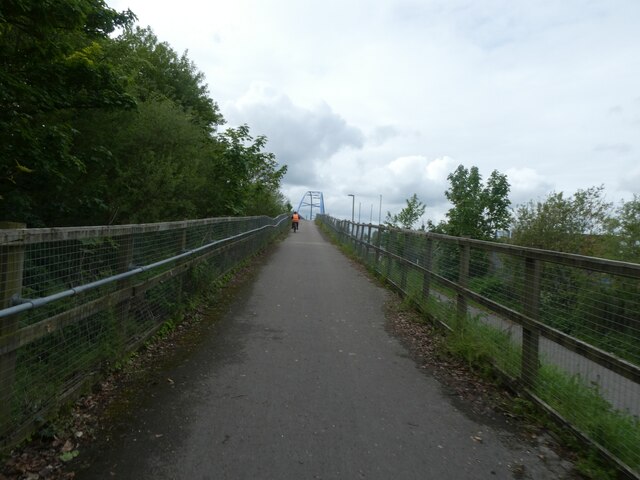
(24, 305)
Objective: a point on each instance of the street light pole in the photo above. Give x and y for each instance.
(353, 205)
(380, 211)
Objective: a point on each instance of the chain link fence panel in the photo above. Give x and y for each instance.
(76, 300)
(564, 329)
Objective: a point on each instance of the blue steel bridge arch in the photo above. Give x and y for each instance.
(311, 200)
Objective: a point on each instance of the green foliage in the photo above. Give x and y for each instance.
(592, 465)
(409, 215)
(494, 288)
(50, 367)
(593, 307)
(68, 456)
(247, 177)
(97, 129)
(625, 229)
(153, 166)
(166, 328)
(483, 347)
(479, 210)
(156, 72)
(585, 407)
(52, 65)
(572, 224)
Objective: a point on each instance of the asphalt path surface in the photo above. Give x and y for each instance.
(300, 380)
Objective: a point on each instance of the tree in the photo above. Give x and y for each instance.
(242, 176)
(51, 66)
(155, 166)
(409, 215)
(575, 224)
(585, 223)
(155, 71)
(151, 161)
(479, 211)
(96, 129)
(625, 230)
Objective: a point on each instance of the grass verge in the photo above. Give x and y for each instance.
(488, 350)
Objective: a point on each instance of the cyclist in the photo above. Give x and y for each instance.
(295, 219)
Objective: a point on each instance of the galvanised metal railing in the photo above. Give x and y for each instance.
(564, 328)
(77, 299)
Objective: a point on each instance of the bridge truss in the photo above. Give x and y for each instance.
(311, 200)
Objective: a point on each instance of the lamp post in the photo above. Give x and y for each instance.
(353, 205)
(380, 211)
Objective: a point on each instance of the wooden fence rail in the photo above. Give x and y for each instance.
(51, 352)
(423, 265)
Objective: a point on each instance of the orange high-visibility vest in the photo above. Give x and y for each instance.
(295, 217)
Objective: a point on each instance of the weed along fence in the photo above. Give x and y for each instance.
(76, 299)
(564, 328)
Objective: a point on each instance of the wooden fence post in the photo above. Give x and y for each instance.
(389, 233)
(463, 281)
(403, 266)
(378, 251)
(426, 278)
(530, 337)
(11, 268)
(353, 232)
(125, 262)
(125, 253)
(182, 247)
(368, 243)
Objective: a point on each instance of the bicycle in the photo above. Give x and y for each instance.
(294, 226)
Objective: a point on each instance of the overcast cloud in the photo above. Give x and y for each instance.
(383, 97)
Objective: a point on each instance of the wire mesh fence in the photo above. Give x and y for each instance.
(564, 328)
(77, 299)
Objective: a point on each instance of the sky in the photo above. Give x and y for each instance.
(385, 98)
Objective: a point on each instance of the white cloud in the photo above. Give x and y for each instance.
(440, 168)
(407, 167)
(300, 137)
(382, 134)
(527, 184)
(377, 98)
(630, 181)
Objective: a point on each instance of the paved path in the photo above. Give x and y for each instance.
(300, 380)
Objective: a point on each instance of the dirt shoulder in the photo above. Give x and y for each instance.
(53, 452)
